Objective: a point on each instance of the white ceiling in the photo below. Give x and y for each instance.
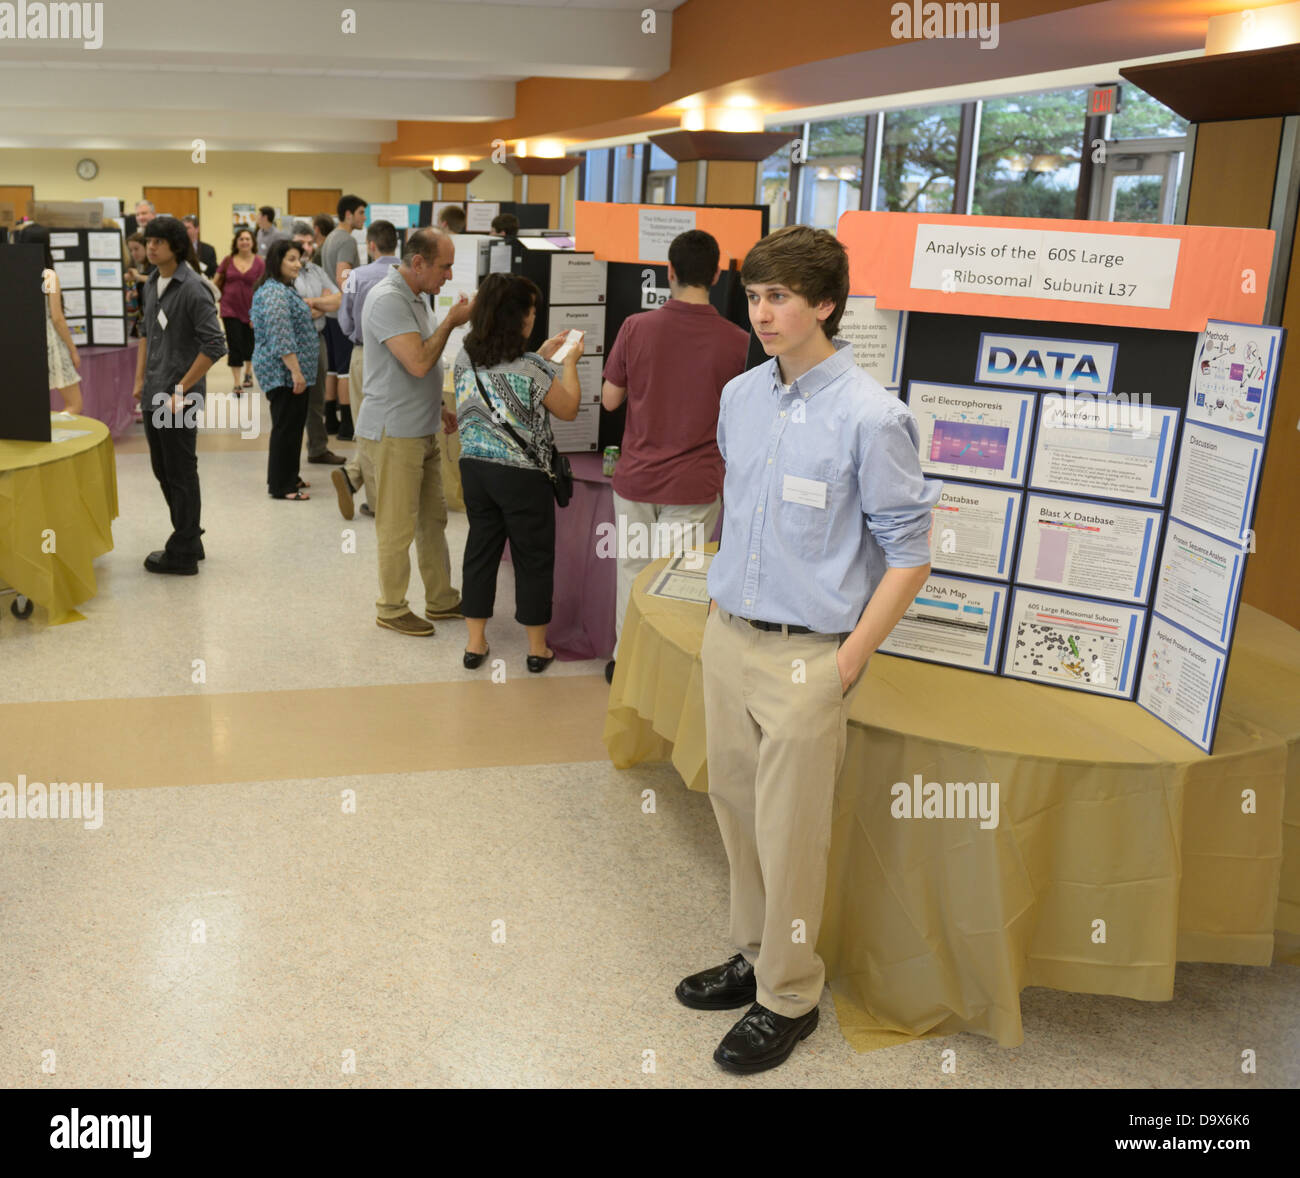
(244, 74)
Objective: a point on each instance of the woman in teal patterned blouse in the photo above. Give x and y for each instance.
(285, 355)
(507, 488)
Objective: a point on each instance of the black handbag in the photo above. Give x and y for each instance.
(561, 472)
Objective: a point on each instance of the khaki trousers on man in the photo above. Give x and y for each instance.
(775, 720)
(680, 525)
(411, 507)
(360, 468)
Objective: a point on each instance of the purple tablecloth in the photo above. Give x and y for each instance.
(107, 378)
(582, 614)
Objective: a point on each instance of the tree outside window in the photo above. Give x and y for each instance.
(1027, 164)
(918, 160)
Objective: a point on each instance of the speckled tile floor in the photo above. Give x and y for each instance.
(513, 919)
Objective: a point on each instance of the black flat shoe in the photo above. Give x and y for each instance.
(609, 671)
(473, 661)
(724, 987)
(762, 1039)
(537, 663)
(162, 562)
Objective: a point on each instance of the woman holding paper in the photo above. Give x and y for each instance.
(504, 396)
(60, 348)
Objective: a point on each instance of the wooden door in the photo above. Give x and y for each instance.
(20, 196)
(176, 202)
(307, 202)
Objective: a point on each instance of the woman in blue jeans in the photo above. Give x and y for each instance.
(504, 394)
(285, 355)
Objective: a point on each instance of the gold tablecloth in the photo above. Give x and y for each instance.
(935, 926)
(69, 488)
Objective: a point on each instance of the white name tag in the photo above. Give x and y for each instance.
(809, 492)
(162, 319)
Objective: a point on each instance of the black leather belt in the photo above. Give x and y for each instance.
(778, 627)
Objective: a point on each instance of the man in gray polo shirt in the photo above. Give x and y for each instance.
(399, 425)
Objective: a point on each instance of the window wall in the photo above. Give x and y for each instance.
(774, 179)
(918, 160)
(830, 181)
(1027, 161)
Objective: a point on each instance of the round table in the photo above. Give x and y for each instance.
(1106, 815)
(57, 504)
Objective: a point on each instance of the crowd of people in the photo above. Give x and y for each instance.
(825, 539)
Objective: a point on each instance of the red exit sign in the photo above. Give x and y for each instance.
(1103, 100)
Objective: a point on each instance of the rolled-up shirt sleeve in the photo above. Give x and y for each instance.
(207, 326)
(896, 498)
(347, 324)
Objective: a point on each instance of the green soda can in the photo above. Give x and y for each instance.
(611, 458)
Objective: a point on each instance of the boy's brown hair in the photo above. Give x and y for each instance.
(811, 262)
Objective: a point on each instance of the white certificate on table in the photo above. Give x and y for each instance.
(105, 246)
(590, 320)
(106, 302)
(1088, 446)
(1234, 376)
(577, 278)
(952, 621)
(74, 304)
(974, 529)
(877, 338)
(1182, 681)
(1218, 475)
(1198, 582)
(1072, 642)
(106, 274)
(1086, 546)
(972, 433)
(108, 331)
(72, 275)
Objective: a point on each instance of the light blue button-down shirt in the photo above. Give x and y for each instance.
(835, 438)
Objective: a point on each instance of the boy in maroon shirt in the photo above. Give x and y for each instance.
(671, 365)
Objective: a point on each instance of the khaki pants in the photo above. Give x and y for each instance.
(360, 468)
(676, 522)
(775, 729)
(318, 440)
(411, 507)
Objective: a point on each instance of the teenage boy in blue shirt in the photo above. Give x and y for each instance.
(824, 546)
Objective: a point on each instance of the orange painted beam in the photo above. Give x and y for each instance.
(761, 37)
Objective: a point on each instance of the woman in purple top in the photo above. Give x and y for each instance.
(240, 271)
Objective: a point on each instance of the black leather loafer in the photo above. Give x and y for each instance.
(724, 987)
(762, 1039)
(474, 661)
(609, 671)
(538, 663)
(161, 562)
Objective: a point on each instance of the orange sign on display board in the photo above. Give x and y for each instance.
(1166, 277)
(642, 233)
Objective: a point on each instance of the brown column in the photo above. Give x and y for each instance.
(547, 179)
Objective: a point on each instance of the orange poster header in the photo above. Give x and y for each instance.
(1167, 277)
(619, 232)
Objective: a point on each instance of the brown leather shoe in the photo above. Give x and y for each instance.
(407, 623)
(343, 488)
(442, 614)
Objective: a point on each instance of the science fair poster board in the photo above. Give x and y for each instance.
(1152, 394)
